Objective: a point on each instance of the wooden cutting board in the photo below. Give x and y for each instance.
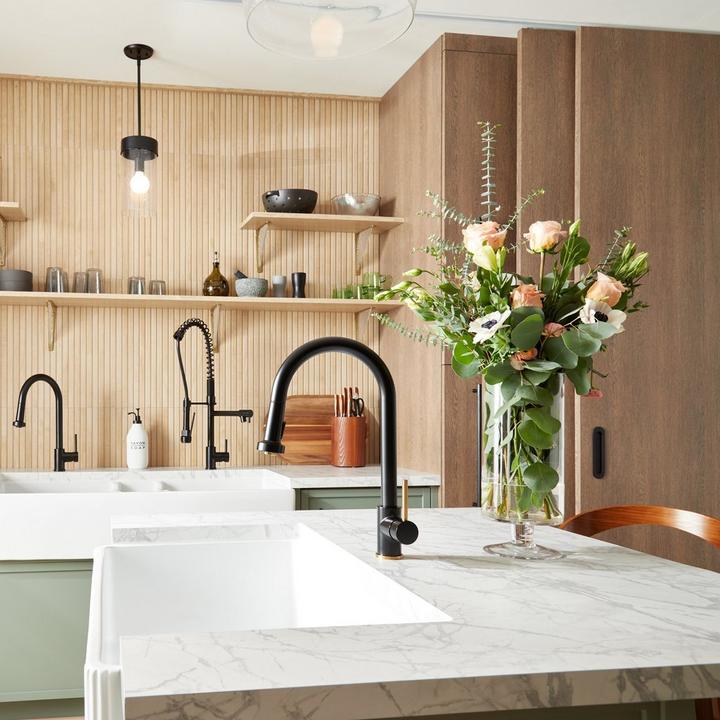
(308, 427)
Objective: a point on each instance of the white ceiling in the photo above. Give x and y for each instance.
(205, 43)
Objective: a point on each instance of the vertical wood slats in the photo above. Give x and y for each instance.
(219, 150)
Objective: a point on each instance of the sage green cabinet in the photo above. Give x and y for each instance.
(43, 625)
(358, 498)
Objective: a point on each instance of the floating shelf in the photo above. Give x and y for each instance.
(52, 301)
(360, 226)
(9, 212)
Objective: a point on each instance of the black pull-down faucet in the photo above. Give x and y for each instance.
(212, 455)
(392, 530)
(60, 457)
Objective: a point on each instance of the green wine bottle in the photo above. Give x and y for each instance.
(215, 283)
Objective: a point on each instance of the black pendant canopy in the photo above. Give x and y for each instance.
(139, 148)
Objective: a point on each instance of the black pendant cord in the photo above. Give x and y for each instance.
(139, 98)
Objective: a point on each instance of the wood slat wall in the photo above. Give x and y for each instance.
(219, 150)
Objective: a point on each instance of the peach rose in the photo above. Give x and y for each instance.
(553, 329)
(486, 233)
(544, 235)
(526, 296)
(518, 359)
(594, 393)
(606, 289)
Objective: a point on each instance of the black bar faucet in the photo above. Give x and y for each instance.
(393, 531)
(212, 455)
(60, 457)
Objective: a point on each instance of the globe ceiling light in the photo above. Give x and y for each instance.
(327, 28)
(139, 148)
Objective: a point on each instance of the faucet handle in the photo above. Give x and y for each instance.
(405, 500)
(75, 442)
(72, 456)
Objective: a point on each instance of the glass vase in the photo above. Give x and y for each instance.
(507, 495)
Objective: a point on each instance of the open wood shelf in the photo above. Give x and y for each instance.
(360, 226)
(53, 301)
(9, 212)
(242, 304)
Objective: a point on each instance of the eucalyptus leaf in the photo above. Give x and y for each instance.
(580, 376)
(558, 352)
(465, 362)
(497, 373)
(541, 477)
(537, 377)
(582, 344)
(534, 436)
(527, 332)
(535, 395)
(542, 365)
(543, 418)
(600, 330)
(519, 314)
(510, 386)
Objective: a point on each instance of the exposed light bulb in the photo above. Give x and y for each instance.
(326, 35)
(139, 183)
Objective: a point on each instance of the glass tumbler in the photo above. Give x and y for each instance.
(95, 280)
(158, 287)
(80, 282)
(55, 280)
(136, 285)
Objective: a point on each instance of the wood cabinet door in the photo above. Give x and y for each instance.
(648, 155)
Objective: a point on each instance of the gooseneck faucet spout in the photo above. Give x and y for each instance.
(60, 456)
(393, 531)
(212, 455)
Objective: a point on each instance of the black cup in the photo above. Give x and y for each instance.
(298, 283)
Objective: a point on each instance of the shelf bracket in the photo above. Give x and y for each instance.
(3, 240)
(362, 322)
(361, 247)
(260, 237)
(214, 327)
(51, 325)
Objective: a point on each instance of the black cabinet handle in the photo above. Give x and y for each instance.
(598, 452)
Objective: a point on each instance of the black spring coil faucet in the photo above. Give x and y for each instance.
(212, 455)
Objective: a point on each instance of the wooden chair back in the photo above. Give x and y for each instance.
(593, 522)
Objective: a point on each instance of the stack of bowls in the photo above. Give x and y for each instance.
(15, 281)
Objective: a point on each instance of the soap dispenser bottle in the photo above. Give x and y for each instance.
(215, 283)
(137, 443)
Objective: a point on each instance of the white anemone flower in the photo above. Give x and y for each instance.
(597, 311)
(487, 325)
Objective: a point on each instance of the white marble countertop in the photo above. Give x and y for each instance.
(329, 476)
(602, 625)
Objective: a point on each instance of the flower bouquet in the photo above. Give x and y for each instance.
(523, 336)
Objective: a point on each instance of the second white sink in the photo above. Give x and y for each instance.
(298, 581)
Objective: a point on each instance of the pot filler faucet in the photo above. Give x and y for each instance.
(60, 457)
(393, 531)
(212, 456)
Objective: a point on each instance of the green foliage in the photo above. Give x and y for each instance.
(526, 334)
(581, 343)
(541, 478)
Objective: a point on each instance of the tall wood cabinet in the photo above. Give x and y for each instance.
(621, 127)
(429, 140)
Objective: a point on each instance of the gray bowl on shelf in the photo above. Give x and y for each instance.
(16, 280)
(356, 204)
(292, 200)
(251, 287)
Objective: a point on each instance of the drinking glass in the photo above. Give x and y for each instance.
(278, 285)
(136, 285)
(158, 287)
(55, 280)
(80, 282)
(95, 280)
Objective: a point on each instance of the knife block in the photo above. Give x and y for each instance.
(349, 441)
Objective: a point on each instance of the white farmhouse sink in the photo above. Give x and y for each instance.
(65, 516)
(298, 580)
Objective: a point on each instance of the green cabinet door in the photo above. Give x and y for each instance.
(358, 498)
(43, 625)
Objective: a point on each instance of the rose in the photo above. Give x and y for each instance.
(544, 235)
(553, 329)
(606, 289)
(517, 360)
(526, 296)
(486, 233)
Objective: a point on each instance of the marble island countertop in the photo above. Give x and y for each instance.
(602, 625)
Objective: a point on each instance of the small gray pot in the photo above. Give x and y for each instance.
(251, 287)
(16, 280)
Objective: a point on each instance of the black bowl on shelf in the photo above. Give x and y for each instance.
(293, 200)
(16, 280)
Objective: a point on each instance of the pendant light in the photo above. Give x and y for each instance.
(139, 149)
(327, 28)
